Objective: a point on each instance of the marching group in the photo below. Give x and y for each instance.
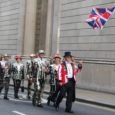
(62, 74)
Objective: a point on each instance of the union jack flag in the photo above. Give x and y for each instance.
(99, 16)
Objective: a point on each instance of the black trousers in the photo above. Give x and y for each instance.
(53, 95)
(68, 88)
(6, 85)
(1, 82)
(1, 85)
(16, 86)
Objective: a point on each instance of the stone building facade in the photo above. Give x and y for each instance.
(95, 47)
(11, 26)
(23, 26)
(52, 25)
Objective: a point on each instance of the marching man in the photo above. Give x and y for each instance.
(2, 67)
(29, 73)
(41, 63)
(67, 76)
(5, 74)
(54, 83)
(17, 74)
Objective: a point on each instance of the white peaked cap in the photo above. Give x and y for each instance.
(41, 51)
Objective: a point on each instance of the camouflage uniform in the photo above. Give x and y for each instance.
(40, 68)
(29, 74)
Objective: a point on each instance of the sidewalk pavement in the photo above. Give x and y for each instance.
(93, 97)
(97, 98)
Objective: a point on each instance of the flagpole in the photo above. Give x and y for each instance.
(58, 30)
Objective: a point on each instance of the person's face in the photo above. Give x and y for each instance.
(41, 55)
(3, 58)
(31, 58)
(73, 59)
(68, 58)
(18, 60)
(6, 58)
(57, 60)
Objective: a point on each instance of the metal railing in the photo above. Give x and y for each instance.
(96, 61)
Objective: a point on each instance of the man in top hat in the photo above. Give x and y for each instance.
(29, 73)
(17, 74)
(67, 76)
(41, 65)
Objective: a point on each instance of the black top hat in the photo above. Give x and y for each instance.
(67, 54)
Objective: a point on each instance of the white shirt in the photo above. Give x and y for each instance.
(55, 67)
(3, 63)
(69, 70)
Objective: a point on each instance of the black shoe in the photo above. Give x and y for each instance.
(48, 102)
(56, 106)
(40, 105)
(22, 89)
(29, 97)
(0, 91)
(16, 96)
(69, 111)
(6, 98)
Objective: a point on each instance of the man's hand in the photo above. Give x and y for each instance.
(27, 77)
(81, 62)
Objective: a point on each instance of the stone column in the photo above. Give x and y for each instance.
(20, 40)
(55, 21)
(30, 24)
(46, 25)
(49, 27)
(43, 21)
